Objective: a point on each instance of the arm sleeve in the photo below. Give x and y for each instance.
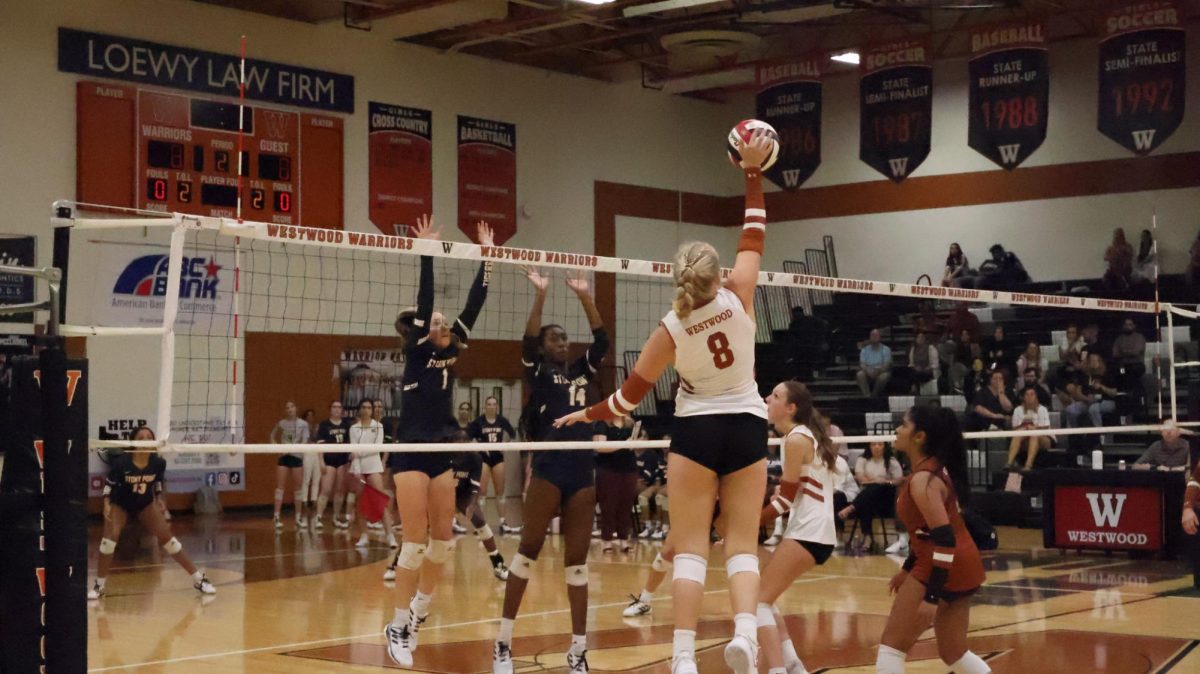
(475, 299)
(944, 545)
(529, 354)
(754, 226)
(420, 327)
(623, 401)
(599, 347)
(160, 481)
(112, 479)
(507, 427)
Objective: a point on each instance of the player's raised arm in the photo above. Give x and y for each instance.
(479, 288)
(744, 277)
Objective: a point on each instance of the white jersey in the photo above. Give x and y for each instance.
(811, 518)
(366, 463)
(714, 356)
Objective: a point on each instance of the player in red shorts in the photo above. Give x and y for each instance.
(943, 568)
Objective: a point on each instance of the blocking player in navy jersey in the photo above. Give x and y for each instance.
(562, 480)
(135, 480)
(491, 426)
(333, 431)
(424, 481)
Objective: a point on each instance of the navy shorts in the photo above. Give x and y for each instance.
(569, 471)
(335, 459)
(819, 551)
(290, 461)
(722, 443)
(432, 464)
(492, 458)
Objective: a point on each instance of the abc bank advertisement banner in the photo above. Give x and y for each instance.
(130, 288)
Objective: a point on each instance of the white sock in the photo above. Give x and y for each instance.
(684, 642)
(101, 582)
(790, 655)
(970, 663)
(746, 624)
(889, 661)
(199, 575)
(645, 597)
(420, 604)
(400, 617)
(506, 629)
(578, 643)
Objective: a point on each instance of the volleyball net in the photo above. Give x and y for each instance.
(261, 304)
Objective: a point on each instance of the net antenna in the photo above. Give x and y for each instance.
(237, 252)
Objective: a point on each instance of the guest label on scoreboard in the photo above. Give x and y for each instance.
(1009, 92)
(487, 176)
(1142, 75)
(400, 149)
(896, 107)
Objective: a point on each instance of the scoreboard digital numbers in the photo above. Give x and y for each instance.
(169, 152)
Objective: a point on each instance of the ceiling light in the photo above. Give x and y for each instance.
(850, 57)
(664, 6)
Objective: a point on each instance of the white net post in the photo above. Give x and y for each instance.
(1171, 356)
(166, 374)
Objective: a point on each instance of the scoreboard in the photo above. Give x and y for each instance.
(170, 152)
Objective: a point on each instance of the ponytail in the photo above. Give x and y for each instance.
(799, 395)
(944, 442)
(697, 269)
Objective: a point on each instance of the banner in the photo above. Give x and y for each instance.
(16, 251)
(400, 160)
(487, 176)
(144, 62)
(896, 108)
(131, 283)
(1142, 76)
(1009, 92)
(374, 374)
(1108, 518)
(789, 99)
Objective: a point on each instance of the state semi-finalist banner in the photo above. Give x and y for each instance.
(789, 99)
(1009, 92)
(487, 176)
(1142, 75)
(896, 107)
(400, 160)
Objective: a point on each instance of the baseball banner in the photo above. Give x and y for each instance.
(896, 107)
(1009, 92)
(1142, 75)
(400, 161)
(789, 99)
(487, 176)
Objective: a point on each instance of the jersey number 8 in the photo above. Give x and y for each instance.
(718, 344)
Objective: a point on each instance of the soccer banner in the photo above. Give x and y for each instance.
(1009, 92)
(789, 99)
(896, 107)
(487, 176)
(1142, 75)
(400, 160)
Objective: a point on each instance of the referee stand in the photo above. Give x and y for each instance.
(43, 501)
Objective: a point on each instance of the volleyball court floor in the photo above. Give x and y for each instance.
(299, 602)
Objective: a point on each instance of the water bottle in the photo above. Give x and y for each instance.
(1097, 460)
(1121, 464)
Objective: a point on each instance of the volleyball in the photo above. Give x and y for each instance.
(742, 133)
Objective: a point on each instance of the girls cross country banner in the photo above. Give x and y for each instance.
(400, 160)
(896, 107)
(789, 99)
(487, 176)
(1009, 92)
(1142, 75)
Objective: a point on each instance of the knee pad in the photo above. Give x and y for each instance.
(659, 564)
(107, 546)
(439, 551)
(577, 575)
(970, 663)
(766, 615)
(690, 567)
(484, 532)
(298, 496)
(663, 502)
(278, 494)
(520, 566)
(173, 546)
(743, 563)
(411, 555)
(643, 502)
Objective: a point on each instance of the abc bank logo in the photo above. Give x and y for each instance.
(146, 276)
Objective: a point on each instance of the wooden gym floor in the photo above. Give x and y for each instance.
(300, 602)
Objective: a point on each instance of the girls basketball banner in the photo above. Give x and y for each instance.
(789, 99)
(896, 107)
(1009, 92)
(400, 166)
(487, 176)
(1142, 75)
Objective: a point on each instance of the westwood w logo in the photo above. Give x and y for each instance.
(146, 276)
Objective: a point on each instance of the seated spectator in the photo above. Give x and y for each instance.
(957, 266)
(845, 490)
(991, 406)
(1030, 378)
(923, 359)
(1003, 270)
(1032, 357)
(1093, 342)
(1070, 353)
(960, 365)
(1095, 395)
(1170, 453)
(1119, 257)
(874, 366)
(1129, 354)
(877, 472)
(963, 319)
(1145, 265)
(998, 352)
(1030, 415)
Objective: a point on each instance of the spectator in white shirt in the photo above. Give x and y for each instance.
(1029, 415)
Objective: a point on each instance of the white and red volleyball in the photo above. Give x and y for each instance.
(742, 132)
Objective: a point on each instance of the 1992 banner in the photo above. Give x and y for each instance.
(896, 104)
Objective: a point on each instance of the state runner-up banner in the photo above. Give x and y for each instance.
(789, 99)
(487, 176)
(1009, 92)
(1142, 75)
(400, 161)
(896, 107)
